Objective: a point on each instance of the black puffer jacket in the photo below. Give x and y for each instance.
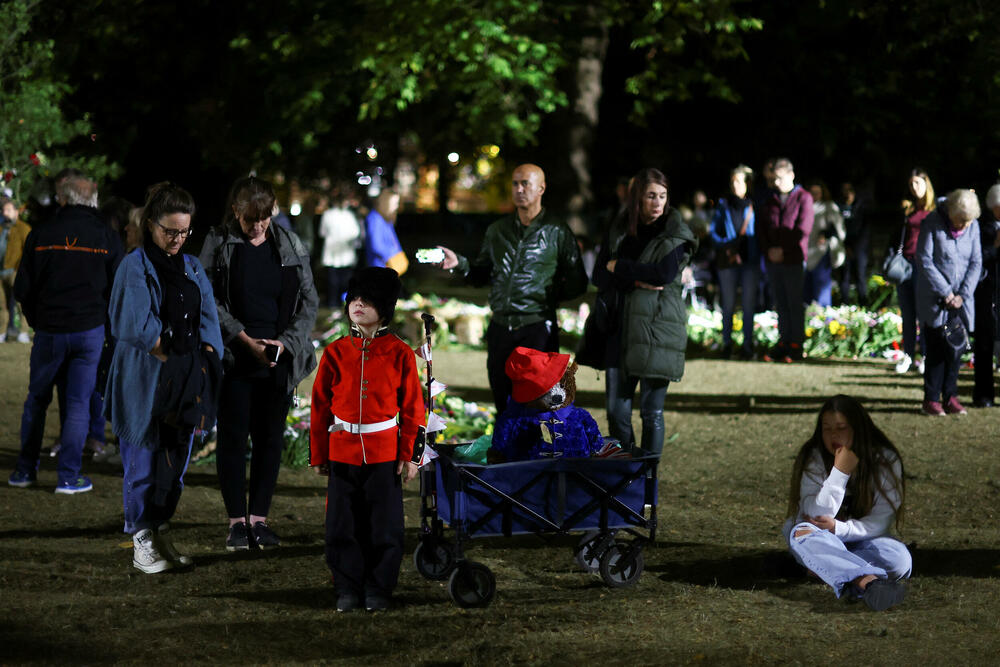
(530, 269)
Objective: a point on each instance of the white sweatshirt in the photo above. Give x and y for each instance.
(823, 497)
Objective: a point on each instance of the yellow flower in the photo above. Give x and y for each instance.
(878, 280)
(835, 327)
(809, 332)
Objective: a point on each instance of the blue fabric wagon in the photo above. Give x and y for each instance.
(606, 498)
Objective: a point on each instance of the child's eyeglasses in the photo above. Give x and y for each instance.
(174, 234)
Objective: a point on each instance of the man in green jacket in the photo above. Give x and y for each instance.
(531, 262)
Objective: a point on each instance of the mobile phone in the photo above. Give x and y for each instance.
(430, 255)
(271, 352)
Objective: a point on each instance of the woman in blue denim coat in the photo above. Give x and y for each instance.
(167, 342)
(950, 259)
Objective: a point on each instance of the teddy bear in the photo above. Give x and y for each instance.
(541, 421)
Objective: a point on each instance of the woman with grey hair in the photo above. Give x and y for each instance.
(949, 256)
(987, 299)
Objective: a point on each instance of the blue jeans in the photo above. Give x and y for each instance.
(620, 390)
(747, 278)
(839, 563)
(68, 357)
(819, 283)
(786, 285)
(153, 481)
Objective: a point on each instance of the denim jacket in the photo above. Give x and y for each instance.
(134, 312)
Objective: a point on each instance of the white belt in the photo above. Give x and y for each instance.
(340, 425)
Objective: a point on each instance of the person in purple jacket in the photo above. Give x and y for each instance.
(783, 235)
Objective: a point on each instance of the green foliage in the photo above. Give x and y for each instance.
(35, 137)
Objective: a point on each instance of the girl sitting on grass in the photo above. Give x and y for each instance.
(846, 491)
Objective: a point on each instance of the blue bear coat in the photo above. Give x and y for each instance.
(518, 433)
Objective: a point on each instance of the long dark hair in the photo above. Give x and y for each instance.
(163, 199)
(873, 449)
(250, 198)
(637, 190)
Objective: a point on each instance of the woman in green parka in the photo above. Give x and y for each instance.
(638, 273)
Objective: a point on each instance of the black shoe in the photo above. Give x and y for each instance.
(239, 539)
(982, 403)
(881, 594)
(793, 353)
(348, 602)
(264, 536)
(376, 603)
(747, 355)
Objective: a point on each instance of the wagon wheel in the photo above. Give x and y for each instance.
(589, 550)
(434, 559)
(472, 585)
(621, 565)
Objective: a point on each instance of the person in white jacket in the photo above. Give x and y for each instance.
(341, 234)
(846, 493)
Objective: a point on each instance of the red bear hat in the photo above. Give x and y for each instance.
(533, 372)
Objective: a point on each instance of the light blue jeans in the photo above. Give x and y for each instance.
(839, 563)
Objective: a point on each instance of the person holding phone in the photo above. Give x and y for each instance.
(267, 306)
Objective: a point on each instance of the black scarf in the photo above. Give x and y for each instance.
(180, 305)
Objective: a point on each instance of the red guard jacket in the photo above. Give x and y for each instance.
(366, 381)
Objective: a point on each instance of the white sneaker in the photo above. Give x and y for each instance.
(168, 549)
(23, 337)
(920, 366)
(3, 338)
(903, 364)
(145, 556)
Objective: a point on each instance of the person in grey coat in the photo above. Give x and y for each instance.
(267, 305)
(950, 258)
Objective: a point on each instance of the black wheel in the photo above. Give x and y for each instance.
(472, 585)
(621, 565)
(589, 550)
(434, 559)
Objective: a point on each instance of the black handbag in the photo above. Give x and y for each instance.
(955, 334)
(896, 268)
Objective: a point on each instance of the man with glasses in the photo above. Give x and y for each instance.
(63, 285)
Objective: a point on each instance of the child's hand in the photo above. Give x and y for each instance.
(408, 469)
(845, 460)
(323, 469)
(825, 522)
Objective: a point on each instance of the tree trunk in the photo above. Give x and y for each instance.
(583, 124)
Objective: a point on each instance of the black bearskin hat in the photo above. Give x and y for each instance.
(379, 286)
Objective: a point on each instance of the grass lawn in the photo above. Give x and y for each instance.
(716, 589)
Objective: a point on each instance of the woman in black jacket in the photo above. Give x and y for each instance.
(267, 306)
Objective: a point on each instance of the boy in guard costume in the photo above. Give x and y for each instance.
(364, 382)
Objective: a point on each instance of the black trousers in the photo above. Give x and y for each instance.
(940, 366)
(982, 343)
(254, 407)
(501, 341)
(364, 528)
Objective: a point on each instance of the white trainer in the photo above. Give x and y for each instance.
(145, 556)
(920, 366)
(23, 337)
(168, 549)
(903, 364)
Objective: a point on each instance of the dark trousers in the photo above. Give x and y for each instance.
(501, 341)
(786, 287)
(254, 407)
(855, 269)
(364, 528)
(982, 344)
(337, 278)
(940, 366)
(746, 279)
(70, 358)
(154, 479)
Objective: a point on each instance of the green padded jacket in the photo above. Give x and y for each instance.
(655, 321)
